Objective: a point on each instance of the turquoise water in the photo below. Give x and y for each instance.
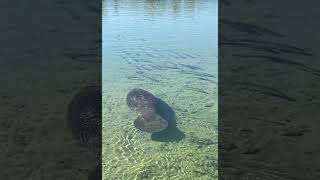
(169, 48)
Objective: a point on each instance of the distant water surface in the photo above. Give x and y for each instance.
(183, 26)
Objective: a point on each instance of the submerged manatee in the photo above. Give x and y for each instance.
(140, 100)
(150, 122)
(84, 116)
(144, 102)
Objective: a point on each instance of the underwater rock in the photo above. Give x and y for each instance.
(84, 116)
(144, 102)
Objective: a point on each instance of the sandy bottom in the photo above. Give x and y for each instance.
(266, 136)
(191, 152)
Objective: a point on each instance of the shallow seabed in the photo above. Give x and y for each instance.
(168, 48)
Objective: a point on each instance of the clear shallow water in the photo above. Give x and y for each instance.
(169, 48)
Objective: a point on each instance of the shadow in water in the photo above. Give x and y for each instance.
(172, 133)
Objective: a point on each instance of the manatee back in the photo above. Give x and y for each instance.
(140, 100)
(149, 121)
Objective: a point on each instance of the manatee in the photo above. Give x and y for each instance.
(144, 103)
(150, 122)
(140, 100)
(84, 116)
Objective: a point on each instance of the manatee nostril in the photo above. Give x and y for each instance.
(84, 116)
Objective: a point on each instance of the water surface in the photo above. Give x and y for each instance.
(169, 48)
